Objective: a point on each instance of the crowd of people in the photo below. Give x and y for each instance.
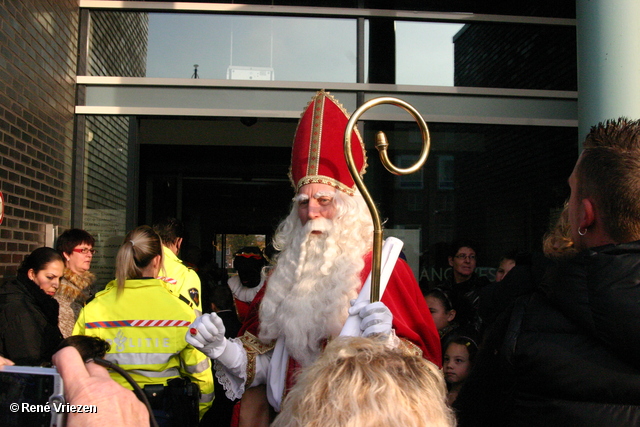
(293, 340)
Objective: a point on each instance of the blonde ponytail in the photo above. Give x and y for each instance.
(139, 248)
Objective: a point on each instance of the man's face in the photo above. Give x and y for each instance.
(315, 201)
(464, 262)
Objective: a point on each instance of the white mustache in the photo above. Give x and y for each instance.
(322, 225)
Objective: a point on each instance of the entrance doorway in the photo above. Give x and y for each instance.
(219, 176)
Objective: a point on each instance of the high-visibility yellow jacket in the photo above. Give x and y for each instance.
(146, 327)
(182, 281)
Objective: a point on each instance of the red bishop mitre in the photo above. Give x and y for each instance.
(317, 156)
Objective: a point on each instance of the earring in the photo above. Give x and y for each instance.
(580, 232)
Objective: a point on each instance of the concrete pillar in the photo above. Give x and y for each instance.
(608, 37)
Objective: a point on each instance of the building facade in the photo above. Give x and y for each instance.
(118, 113)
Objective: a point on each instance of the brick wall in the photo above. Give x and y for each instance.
(118, 47)
(38, 44)
(118, 44)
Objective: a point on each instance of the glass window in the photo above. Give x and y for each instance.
(106, 188)
(425, 53)
(243, 47)
(508, 183)
(211, 46)
(486, 55)
(547, 8)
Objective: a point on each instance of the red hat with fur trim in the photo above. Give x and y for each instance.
(318, 147)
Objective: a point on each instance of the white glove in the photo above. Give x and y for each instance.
(209, 335)
(376, 317)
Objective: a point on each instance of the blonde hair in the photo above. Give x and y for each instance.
(360, 382)
(139, 248)
(557, 242)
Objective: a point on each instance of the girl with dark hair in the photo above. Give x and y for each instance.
(29, 333)
(449, 319)
(145, 324)
(442, 309)
(458, 360)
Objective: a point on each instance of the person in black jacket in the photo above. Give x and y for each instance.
(567, 354)
(29, 333)
(464, 281)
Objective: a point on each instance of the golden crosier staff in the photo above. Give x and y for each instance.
(382, 144)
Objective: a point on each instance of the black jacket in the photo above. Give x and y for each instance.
(568, 354)
(29, 333)
(467, 294)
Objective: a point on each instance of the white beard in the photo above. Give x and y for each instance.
(308, 294)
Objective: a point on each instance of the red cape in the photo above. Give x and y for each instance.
(411, 317)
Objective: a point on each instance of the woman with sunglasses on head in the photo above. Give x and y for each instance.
(76, 246)
(29, 333)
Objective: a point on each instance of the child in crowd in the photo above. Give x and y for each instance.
(441, 309)
(450, 323)
(458, 359)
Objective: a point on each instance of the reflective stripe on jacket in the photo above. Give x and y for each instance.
(146, 327)
(181, 280)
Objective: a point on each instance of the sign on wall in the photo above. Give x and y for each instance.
(1, 207)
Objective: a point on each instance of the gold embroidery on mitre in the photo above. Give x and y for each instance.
(315, 145)
(321, 179)
(313, 177)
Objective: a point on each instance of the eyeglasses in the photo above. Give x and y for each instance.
(464, 256)
(85, 251)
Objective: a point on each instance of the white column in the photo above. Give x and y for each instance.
(608, 36)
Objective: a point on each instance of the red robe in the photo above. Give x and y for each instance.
(242, 309)
(411, 316)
